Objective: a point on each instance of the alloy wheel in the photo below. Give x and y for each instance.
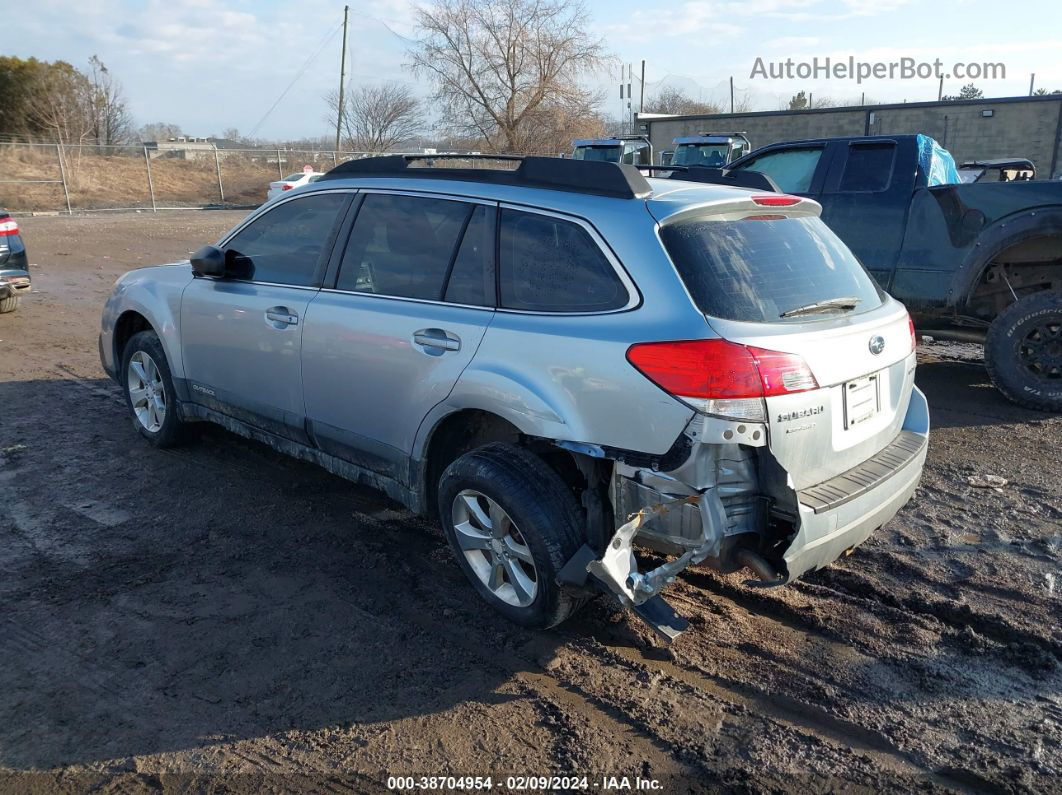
(147, 392)
(494, 548)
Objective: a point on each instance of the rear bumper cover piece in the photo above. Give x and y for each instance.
(843, 511)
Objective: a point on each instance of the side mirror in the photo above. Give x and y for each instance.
(209, 261)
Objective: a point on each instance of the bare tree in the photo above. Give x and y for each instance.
(743, 102)
(551, 128)
(499, 66)
(109, 119)
(674, 100)
(378, 118)
(159, 131)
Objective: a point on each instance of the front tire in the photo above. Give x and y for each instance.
(512, 525)
(9, 304)
(149, 392)
(1023, 351)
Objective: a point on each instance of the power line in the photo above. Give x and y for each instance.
(302, 70)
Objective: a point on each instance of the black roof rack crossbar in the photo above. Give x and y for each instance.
(719, 176)
(553, 173)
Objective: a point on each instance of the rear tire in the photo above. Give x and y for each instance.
(9, 304)
(529, 500)
(149, 392)
(1023, 351)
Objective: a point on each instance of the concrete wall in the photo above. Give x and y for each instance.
(1019, 127)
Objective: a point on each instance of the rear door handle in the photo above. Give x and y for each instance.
(281, 316)
(437, 338)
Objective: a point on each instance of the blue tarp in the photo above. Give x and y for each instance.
(936, 162)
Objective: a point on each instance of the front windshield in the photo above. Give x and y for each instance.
(713, 155)
(607, 154)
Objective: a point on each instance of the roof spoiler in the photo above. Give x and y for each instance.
(718, 176)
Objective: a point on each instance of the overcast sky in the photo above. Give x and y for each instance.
(209, 65)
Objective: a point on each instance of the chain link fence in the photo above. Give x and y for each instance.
(90, 178)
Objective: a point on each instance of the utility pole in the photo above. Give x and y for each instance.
(940, 89)
(630, 99)
(641, 92)
(1032, 82)
(731, 95)
(342, 76)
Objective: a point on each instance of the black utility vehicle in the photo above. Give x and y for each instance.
(977, 262)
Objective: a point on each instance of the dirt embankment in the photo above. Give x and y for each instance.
(117, 177)
(221, 616)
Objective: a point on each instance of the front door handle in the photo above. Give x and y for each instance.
(281, 316)
(437, 338)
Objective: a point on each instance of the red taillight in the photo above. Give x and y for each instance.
(8, 227)
(914, 336)
(720, 370)
(286, 187)
(776, 201)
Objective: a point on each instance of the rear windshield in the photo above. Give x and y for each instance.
(755, 270)
(713, 155)
(609, 154)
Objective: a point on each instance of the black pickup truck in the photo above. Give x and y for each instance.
(977, 262)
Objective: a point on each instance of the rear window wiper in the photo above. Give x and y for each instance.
(846, 302)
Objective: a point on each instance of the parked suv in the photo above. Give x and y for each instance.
(560, 362)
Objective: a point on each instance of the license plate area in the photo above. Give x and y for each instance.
(862, 400)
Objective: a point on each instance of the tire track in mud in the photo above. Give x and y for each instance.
(809, 721)
(999, 766)
(1033, 652)
(806, 719)
(555, 696)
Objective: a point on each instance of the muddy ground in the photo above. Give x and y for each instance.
(221, 618)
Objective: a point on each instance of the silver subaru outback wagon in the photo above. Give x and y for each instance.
(564, 362)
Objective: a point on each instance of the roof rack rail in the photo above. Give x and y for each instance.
(552, 173)
(755, 180)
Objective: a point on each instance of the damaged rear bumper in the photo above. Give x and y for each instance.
(718, 509)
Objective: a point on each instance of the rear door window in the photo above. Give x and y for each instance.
(286, 244)
(755, 270)
(868, 167)
(403, 245)
(791, 169)
(472, 275)
(548, 264)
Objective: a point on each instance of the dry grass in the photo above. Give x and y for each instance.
(119, 178)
